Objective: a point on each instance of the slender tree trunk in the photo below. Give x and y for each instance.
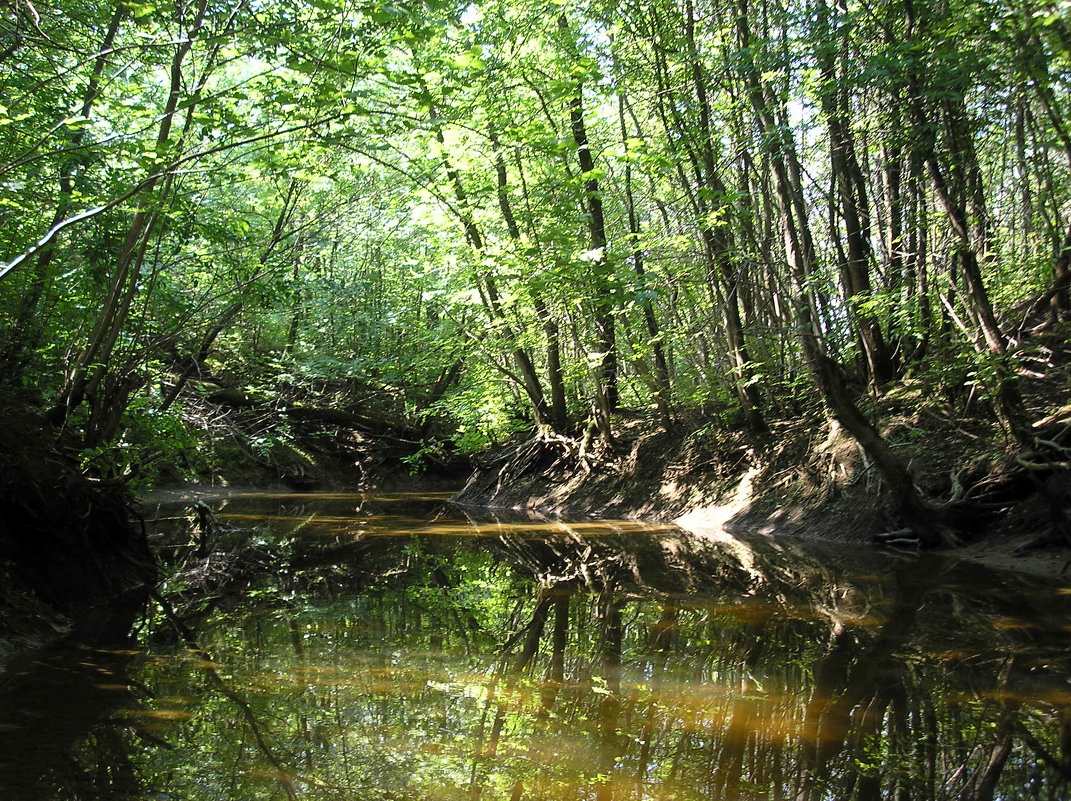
(717, 239)
(558, 415)
(916, 260)
(25, 333)
(297, 312)
(551, 329)
(602, 269)
(851, 200)
(828, 375)
(964, 207)
(710, 200)
(492, 299)
(91, 365)
(662, 391)
(1058, 297)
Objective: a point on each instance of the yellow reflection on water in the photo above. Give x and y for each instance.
(394, 526)
(587, 528)
(116, 651)
(161, 714)
(1010, 624)
(314, 497)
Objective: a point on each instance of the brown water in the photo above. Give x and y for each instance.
(391, 647)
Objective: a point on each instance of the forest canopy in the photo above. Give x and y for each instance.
(491, 217)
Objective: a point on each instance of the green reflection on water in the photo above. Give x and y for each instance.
(390, 648)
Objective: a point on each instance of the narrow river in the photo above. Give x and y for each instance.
(353, 647)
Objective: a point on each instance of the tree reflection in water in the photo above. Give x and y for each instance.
(422, 655)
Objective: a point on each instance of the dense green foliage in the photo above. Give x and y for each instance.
(484, 217)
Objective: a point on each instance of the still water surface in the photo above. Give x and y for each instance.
(393, 647)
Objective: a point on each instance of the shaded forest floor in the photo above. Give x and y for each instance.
(301, 441)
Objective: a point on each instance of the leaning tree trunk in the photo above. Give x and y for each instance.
(828, 376)
(91, 367)
(25, 332)
(964, 205)
(491, 297)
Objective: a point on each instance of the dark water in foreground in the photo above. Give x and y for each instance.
(391, 648)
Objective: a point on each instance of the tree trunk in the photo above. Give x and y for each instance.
(1058, 297)
(710, 200)
(557, 413)
(717, 239)
(662, 390)
(602, 270)
(530, 382)
(92, 364)
(551, 330)
(25, 333)
(964, 206)
(827, 374)
(851, 202)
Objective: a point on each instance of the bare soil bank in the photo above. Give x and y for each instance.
(792, 482)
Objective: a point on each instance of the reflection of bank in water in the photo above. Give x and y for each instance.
(398, 652)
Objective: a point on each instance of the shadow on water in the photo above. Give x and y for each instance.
(393, 647)
(59, 701)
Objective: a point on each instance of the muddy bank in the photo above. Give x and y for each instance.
(792, 482)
